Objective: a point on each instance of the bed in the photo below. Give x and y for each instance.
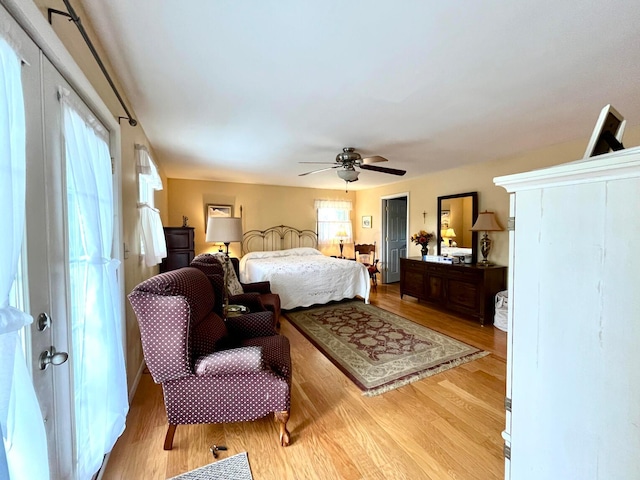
(454, 251)
(298, 272)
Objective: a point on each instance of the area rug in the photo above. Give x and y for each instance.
(378, 350)
(232, 468)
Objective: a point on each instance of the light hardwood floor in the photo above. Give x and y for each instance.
(443, 427)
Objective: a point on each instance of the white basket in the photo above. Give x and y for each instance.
(502, 303)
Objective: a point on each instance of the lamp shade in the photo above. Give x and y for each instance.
(348, 175)
(449, 233)
(486, 222)
(224, 229)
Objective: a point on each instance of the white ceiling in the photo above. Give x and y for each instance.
(242, 91)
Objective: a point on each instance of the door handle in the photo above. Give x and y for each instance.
(51, 357)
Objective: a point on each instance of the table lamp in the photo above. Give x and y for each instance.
(224, 230)
(449, 234)
(486, 222)
(341, 234)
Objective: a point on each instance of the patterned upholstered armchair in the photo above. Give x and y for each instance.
(211, 371)
(256, 296)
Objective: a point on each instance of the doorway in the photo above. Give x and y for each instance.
(394, 235)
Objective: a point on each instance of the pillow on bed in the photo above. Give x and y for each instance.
(232, 280)
(301, 251)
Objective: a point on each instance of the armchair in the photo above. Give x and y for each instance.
(211, 371)
(256, 296)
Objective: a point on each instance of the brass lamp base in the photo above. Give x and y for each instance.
(485, 248)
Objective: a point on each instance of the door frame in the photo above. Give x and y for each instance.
(383, 240)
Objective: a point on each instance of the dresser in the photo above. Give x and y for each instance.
(573, 343)
(466, 289)
(180, 248)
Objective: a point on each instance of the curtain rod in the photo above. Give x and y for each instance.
(74, 17)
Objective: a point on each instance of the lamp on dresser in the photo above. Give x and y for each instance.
(448, 235)
(224, 230)
(486, 222)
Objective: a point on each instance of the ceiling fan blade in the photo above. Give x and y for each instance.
(392, 171)
(316, 171)
(374, 159)
(321, 163)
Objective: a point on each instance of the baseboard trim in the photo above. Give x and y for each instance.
(136, 381)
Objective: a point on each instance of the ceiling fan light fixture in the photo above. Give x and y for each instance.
(348, 174)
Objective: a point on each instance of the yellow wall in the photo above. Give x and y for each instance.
(263, 206)
(423, 192)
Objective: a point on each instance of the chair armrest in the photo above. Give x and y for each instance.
(250, 325)
(258, 287)
(231, 362)
(250, 300)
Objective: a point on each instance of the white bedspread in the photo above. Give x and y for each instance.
(304, 276)
(453, 251)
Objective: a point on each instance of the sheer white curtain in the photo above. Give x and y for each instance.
(99, 376)
(333, 218)
(153, 242)
(155, 247)
(24, 453)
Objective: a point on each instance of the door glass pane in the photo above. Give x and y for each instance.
(99, 378)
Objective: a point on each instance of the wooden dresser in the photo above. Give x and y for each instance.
(180, 248)
(465, 289)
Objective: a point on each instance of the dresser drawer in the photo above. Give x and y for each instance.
(179, 240)
(463, 295)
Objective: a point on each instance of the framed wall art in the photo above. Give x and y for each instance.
(366, 221)
(213, 210)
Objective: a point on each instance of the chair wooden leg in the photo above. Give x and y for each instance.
(282, 418)
(168, 439)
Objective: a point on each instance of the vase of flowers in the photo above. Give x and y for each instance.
(422, 239)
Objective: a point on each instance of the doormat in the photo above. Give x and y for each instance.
(232, 468)
(378, 350)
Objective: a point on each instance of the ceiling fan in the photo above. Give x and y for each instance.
(349, 159)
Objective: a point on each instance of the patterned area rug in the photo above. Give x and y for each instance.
(232, 468)
(378, 350)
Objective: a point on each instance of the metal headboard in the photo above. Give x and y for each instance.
(280, 237)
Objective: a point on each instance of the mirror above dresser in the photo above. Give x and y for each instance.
(456, 215)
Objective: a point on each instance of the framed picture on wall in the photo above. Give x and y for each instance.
(213, 210)
(366, 221)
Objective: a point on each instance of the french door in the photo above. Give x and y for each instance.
(55, 349)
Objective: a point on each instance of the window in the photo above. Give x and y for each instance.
(334, 223)
(152, 244)
(148, 178)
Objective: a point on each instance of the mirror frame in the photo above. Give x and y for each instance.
(474, 236)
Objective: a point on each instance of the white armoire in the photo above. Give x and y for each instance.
(573, 358)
